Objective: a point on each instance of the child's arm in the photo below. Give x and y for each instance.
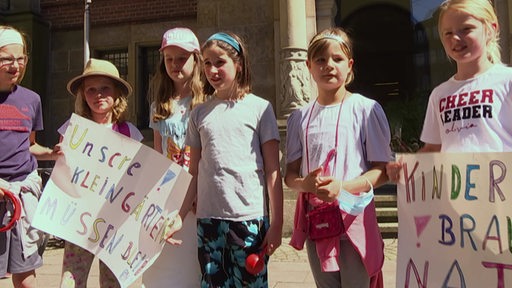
(274, 181)
(293, 180)
(376, 176)
(157, 141)
(40, 152)
(190, 197)
(393, 168)
(430, 148)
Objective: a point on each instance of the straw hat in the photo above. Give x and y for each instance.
(97, 67)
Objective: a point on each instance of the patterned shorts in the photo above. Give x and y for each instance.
(223, 248)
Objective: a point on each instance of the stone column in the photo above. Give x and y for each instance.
(294, 81)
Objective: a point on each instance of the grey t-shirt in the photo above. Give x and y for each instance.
(231, 177)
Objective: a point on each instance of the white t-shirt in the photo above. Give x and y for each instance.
(363, 136)
(173, 131)
(472, 115)
(231, 176)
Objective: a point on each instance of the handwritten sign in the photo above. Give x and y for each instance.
(455, 227)
(112, 196)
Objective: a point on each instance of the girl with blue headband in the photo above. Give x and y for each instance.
(234, 162)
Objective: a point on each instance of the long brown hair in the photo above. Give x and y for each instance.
(243, 77)
(162, 88)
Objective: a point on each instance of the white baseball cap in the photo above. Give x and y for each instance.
(180, 37)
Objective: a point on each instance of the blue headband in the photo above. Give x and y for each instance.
(226, 38)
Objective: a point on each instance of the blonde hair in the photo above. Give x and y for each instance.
(162, 88)
(243, 77)
(25, 50)
(118, 109)
(320, 42)
(483, 11)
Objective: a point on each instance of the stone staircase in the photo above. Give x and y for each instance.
(387, 213)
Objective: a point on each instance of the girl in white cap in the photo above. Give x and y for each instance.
(20, 116)
(101, 96)
(177, 89)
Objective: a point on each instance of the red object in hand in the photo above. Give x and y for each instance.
(17, 210)
(255, 262)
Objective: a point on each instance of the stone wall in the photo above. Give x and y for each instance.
(68, 14)
(66, 56)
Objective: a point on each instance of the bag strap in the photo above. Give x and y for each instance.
(334, 152)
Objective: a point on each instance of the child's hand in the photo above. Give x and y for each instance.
(173, 227)
(393, 171)
(329, 189)
(312, 181)
(273, 239)
(57, 149)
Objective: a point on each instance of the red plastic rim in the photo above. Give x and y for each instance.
(17, 210)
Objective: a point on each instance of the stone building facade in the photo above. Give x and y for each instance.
(398, 55)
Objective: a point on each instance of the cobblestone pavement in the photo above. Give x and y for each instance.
(287, 267)
(288, 253)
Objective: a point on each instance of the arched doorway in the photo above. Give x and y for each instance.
(383, 37)
(391, 65)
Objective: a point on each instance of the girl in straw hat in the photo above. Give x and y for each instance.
(101, 95)
(20, 117)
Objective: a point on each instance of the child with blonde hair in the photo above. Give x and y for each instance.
(470, 111)
(101, 96)
(177, 89)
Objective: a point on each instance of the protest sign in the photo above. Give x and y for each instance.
(112, 196)
(454, 219)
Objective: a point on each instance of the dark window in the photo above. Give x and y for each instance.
(148, 60)
(118, 57)
(5, 5)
